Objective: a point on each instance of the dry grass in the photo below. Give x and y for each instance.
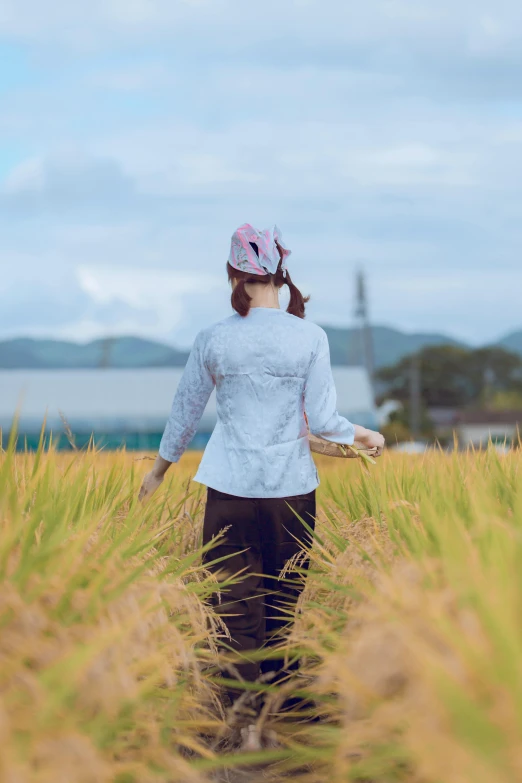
(413, 622)
(410, 634)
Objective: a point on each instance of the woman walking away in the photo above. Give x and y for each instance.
(271, 368)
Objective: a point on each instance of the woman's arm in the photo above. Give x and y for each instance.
(192, 394)
(194, 389)
(320, 401)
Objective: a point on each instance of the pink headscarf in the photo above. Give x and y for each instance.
(244, 257)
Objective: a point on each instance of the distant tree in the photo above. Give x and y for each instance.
(494, 370)
(397, 429)
(455, 377)
(395, 432)
(505, 400)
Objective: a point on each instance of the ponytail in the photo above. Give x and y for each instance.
(296, 305)
(240, 299)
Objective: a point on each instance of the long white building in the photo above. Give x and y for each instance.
(132, 406)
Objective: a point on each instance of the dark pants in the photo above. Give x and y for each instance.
(262, 534)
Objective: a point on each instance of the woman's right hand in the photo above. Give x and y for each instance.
(151, 482)
(370, 439)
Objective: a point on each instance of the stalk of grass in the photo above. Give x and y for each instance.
(408, 629)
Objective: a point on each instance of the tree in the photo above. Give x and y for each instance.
(455, 377)
(505, 400)
(494, 370)
(398, 430)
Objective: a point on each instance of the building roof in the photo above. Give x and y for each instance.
(134, 399)
(443, 417)
(489, 417)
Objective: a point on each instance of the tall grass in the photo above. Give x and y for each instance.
(410, 630)
(413, 622)
(104, 630)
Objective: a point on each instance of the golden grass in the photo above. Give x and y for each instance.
(410, 634)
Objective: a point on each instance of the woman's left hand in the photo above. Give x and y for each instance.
(151, 482)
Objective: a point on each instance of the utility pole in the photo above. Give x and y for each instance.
(363, 324)
(488, 385)
(106, 349)
(415, 396)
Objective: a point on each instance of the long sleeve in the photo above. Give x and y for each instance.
(190, 399)
(320, 399)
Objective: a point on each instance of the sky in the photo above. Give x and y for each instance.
(136, 135)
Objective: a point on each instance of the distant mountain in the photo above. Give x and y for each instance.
(512, 342)
(26, 353)
(389, 345)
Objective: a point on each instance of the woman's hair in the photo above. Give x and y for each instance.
(241, 300)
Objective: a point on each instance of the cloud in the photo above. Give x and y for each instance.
(385, 134)
(165, 294)
(55, 182)
(94, 302)
(476, 22)
(133, 77)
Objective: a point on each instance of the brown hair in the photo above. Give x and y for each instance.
(241, 300)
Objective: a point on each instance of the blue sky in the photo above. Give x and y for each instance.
(135, 135)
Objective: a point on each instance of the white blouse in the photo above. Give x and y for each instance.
(268, 368)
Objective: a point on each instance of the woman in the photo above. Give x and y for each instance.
(272, 374)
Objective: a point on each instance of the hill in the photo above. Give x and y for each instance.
(27, 353)
(512, 342)
(390, 345)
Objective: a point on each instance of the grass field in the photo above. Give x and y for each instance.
(410, 634)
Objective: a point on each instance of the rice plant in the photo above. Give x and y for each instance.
(409, 630)
(105, 631)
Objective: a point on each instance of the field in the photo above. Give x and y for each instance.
(410, 632)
